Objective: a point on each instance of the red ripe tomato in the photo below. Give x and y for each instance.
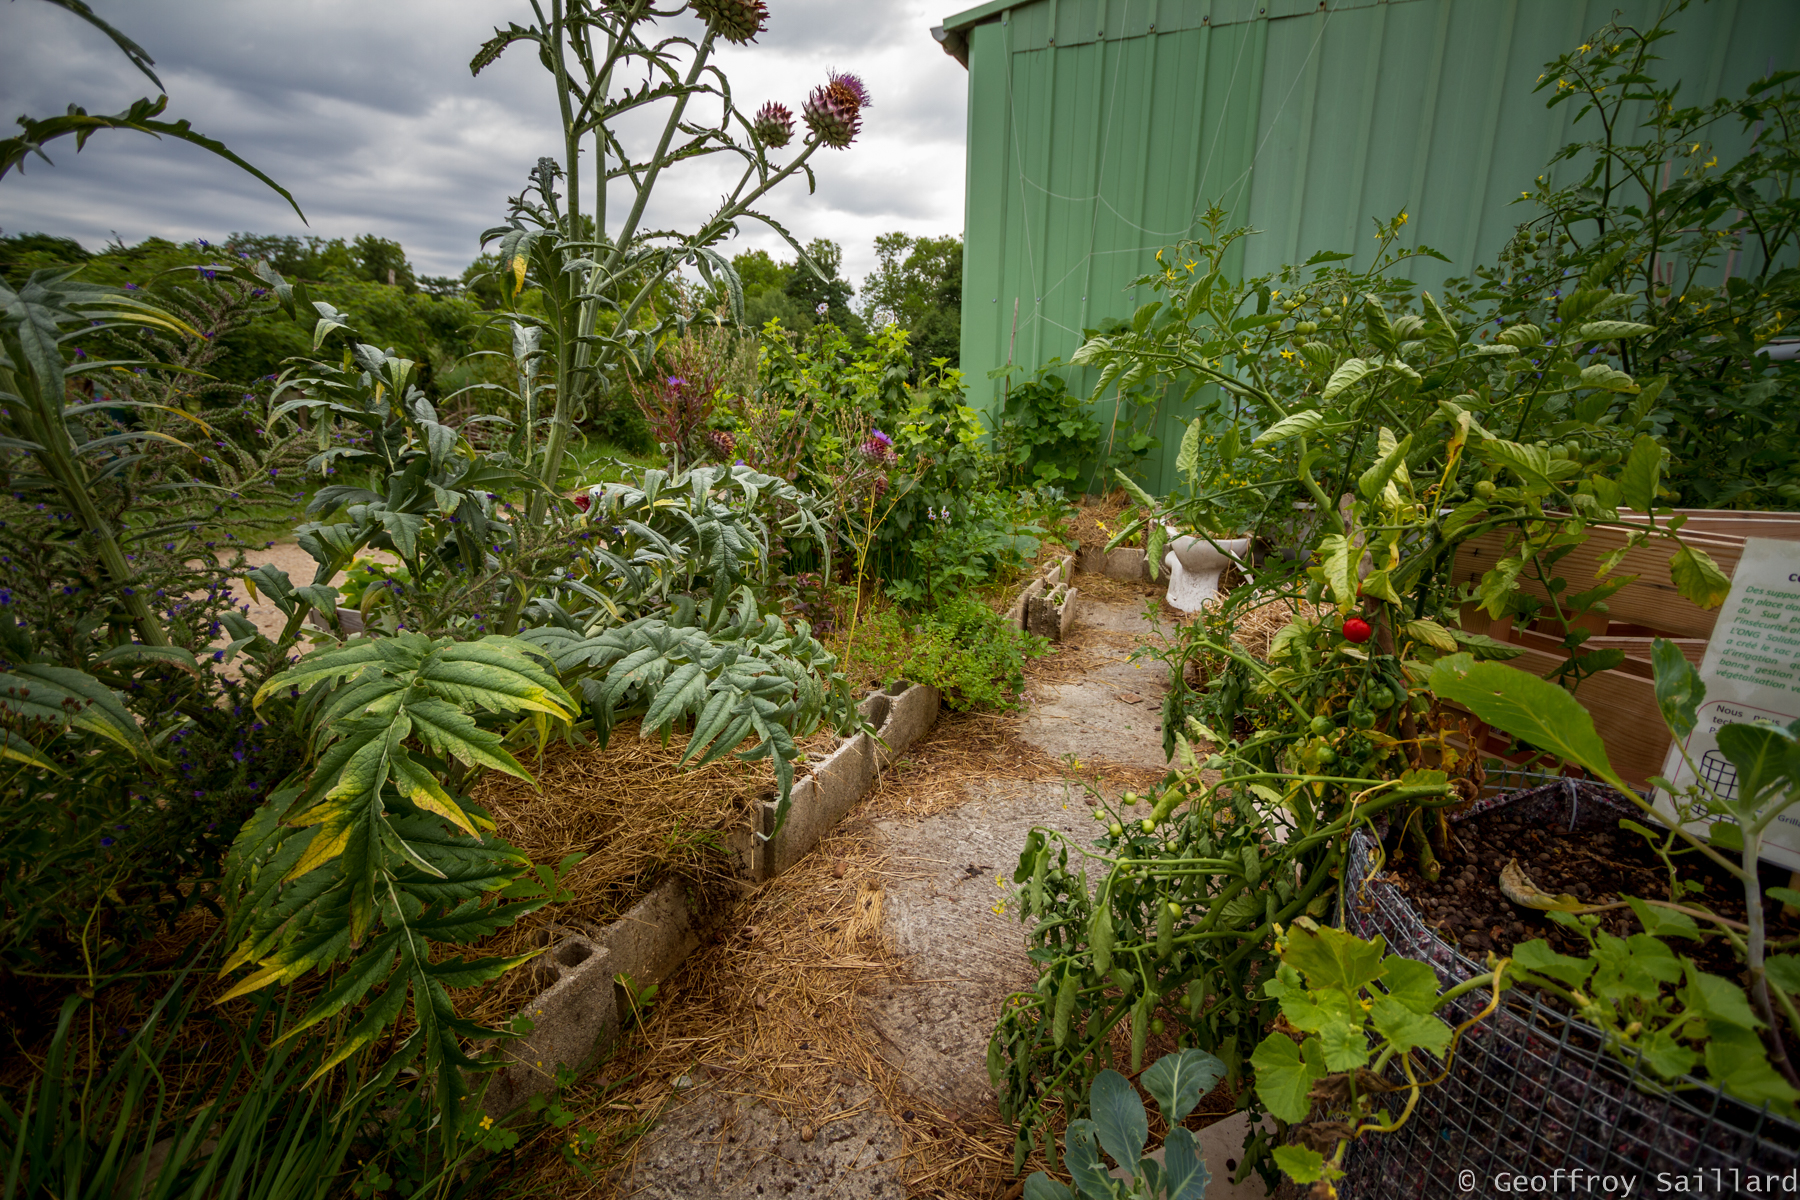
(1358, 630)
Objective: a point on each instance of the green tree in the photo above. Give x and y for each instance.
(808, 290)
(917, 285)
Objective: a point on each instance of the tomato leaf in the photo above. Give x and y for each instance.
(1526, 707)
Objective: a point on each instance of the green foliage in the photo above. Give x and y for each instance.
(814, 281)
(1626, 986)
(701, 534)
(917, 285)
(959, 645)
(1172, 916)
(1046, 434)
(948, 523)
(1707, 240)
(594, 281)
(85, 1120)
(1121, 1128)
(433, 329)
(1360, 1009)
(735, 675)
(376, 856)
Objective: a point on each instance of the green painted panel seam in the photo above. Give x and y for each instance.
(1359, 164)
(1304, 150)
(1040, 272)
(1484, 160)
(1721, 43)
(1434, 82)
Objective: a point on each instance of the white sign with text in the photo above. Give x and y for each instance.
(1752, 673)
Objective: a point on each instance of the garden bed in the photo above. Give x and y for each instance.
(1533, 1090)
(1566, 838)
(681, 892)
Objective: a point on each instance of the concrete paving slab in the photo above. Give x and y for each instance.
(713, 1144)
(963, 957)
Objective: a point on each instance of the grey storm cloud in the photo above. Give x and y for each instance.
(365, 110)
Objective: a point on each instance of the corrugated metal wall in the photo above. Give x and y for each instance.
(1100, 130)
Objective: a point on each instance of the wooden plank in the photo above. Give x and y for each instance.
(1652, 600)
(1725, 523)
(1693, 649)
(1625, 715)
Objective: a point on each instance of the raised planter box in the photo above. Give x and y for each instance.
(1532, 1091)
(576, 1018)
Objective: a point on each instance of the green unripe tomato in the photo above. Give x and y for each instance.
(1485, 489)
(1360, 718)
(1573, 449)
(1116, 829)
(1147, 825)
(1380, 698)
(1099, 814)
(1157, 1026)
(1326, 756)
(1322, 725)
(1174, 909)
(1306, 327)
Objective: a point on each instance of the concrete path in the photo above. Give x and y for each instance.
(930, 1017)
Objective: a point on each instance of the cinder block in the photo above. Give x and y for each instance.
(914, 711)
(1066, 615)
(874, 708)
(1016, 616)
(577, 1016)
(798, 834)
(1041, 618)
(841, 780)
(573, 1021)
(653, 936)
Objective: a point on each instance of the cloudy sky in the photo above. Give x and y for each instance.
(366, 111)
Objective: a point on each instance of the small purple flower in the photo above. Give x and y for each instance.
(105, 842)
(131, 287)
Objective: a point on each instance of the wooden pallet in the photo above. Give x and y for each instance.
(1623, 701)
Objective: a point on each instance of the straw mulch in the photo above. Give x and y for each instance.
(634, 813)
(1096, 519)
(1254, 628)
(771, 1007)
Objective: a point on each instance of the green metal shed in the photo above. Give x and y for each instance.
(1100, 130)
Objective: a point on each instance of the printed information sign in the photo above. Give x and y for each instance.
(1752, 673)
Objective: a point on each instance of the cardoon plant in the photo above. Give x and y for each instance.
(598, 267)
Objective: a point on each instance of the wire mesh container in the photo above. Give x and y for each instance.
(1533, 1101)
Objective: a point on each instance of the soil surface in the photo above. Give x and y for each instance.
(917, 1117)
(1467, 908)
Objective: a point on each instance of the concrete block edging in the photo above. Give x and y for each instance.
(1045, 605)
(577, 1017)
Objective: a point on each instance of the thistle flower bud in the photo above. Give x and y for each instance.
(734, 20)
(834, 110)
(722, 443)
(773, 126)
(878, 448)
